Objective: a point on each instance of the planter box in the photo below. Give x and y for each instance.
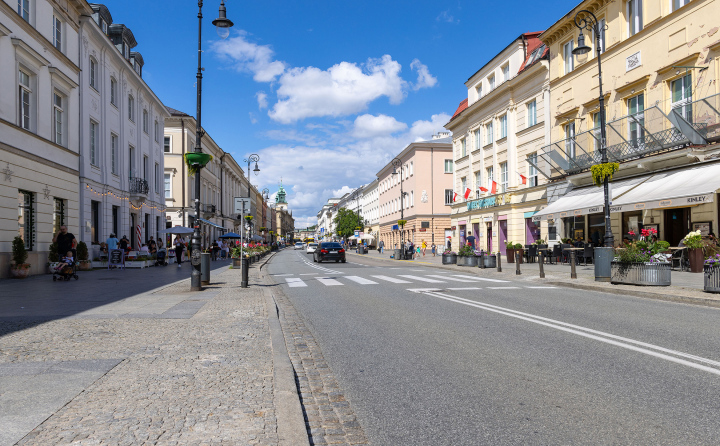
(237, 262)
(84, 266)
(99, 263)
(490, 261)
(645, 274)
(697, 260)
(467, 261)
(449, 259)
(510, 255)
(712, 278)
(137, 263)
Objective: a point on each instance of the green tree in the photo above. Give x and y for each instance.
(346, 221)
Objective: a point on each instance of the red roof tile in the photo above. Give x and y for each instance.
(533, 43)
(461, 108)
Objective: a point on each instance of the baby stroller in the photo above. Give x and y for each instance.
(66, 273)
(160, 259)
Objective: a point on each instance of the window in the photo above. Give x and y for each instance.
(463, 145)
(93, 73)
(477, 139)
(157, 131)
(145, 167)
(24, 99)
(596, 131)
(490, 177)
(570, 140)
(412, 198)
(532, 114)
(682, 97)
(537, 54)
(58, 214)
(411, 167)
(568, 57)
(532, 170)
(26, 218)
(677, 4)
(131, 164)
(157, 178)
(166, 144)
(448, 166)
(113, 91)
(601, 28)
(168, 182)
(113, 153)
(635, 22)
(23, 9)
(503, 177)
(506, 72)
(58, 120)
(57, 33)
(449, 196)
(478, 183)
(503, 126)
(131, 108)
(491, 81)
(93, 143)
(104, 26)
(489, 134)
(463, 185)
(95, 221)
(479, 90)
(125, 50)
(145, 121)
(636, 106)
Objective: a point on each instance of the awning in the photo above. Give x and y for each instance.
(680, 188)
(209, 223)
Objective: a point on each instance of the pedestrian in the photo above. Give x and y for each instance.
(424, 247)
(65, 242)
(417, 250)
(432, 249)
(112, 242)
(124, 244)
(179, 247)
(152, 246)
(382, 246)
(214, 249)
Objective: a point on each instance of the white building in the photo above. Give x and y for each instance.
(121, 136)
(39, 110)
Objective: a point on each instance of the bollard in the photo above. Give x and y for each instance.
(542, 268)
(482, 259)
(573, 274)
(499, 262)
(517, 263)
(245, 268)
(205, 268)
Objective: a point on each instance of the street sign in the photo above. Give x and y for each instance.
(241, 205)
(357, 233)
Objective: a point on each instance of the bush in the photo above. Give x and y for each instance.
(53, 254)
(518, 246)
(82, 251)
(19, 253)
(466, 251)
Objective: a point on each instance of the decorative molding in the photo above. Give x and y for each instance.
(8, 173)
(46, 192)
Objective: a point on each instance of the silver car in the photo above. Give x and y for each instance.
(311, 247)
(299, 245)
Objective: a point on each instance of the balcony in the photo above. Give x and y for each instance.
(139, 189)
(635, 136)
(208, 210)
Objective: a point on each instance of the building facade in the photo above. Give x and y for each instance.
(426, 173)
(39, 128)
(497, 132)
(121, 134)
(660, 69)
(370, 203)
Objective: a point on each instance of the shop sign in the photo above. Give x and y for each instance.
(595, 210)
(453, 227)
(422, 230)
(665, 203)
(577, 212)
(563, 214)
(481, 204)
(487, 219)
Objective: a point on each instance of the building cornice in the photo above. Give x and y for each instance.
(566, 25)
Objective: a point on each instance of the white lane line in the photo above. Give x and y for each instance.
(308, 274)
(619, 341)
(503, 287)
(361, 280)
(421, 279)
(328, 281)
(294, 282)
(359, 264)
(391, 279)
(422, 290)
(451, 278)
(463, 289)
(542, 287)
(281, 275)
(484, 279)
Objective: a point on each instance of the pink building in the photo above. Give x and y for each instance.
(427, 176)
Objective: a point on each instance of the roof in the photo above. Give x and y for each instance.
(174, 112)
(534, 43)
(461, 108)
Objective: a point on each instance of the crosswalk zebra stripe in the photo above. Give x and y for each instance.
(421, 279)
(294, 282)
(328, 281)
(361, 280)
(391, 279)
(464, 289)
(457, 279)
(503, 287)
(480, 278)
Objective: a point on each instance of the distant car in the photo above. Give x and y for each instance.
(299, 245)
(329, 251)
(311, 248)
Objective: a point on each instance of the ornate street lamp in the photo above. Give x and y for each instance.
(198, 160)
(604, 255)
(397, 162)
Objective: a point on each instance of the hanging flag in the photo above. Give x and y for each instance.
(483, 189)
(494, 188)
(455, 196)
(523, 178)
(467, 192)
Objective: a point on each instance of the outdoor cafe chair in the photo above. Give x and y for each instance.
(530, 253)
(588, 253)
(556, 253)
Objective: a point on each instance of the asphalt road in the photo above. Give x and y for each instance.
(434, 357)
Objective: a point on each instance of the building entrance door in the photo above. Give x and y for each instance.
(133, 235)
(502, 235)
(488, 235)
(677, 225)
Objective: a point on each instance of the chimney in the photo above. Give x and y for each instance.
(441, 135)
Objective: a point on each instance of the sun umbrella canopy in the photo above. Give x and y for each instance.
(176, 230)
(230, 235)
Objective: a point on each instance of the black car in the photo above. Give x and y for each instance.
(329, 251)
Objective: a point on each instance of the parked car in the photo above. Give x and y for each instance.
(329, 251)
(299, 245)
(311, 248)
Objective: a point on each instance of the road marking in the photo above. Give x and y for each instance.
(361, 280)
(480, 278)
(421, 279)
(308, 274)
(541, 287)
(328, 281)
(422, 290)
(456, 279)
(360, 264)
(503, 287)
(281, 275)
(463, 289)
(619, 341)
(391, 279)
(294, 282)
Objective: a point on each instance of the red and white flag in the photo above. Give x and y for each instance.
(494, 188)
(483, 189)
(523, 178)
(467, 192)
(455, 194)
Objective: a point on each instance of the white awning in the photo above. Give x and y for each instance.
(680, 188)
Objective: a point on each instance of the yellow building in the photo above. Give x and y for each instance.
(660, 72)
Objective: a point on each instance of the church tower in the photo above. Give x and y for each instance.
(280, 200)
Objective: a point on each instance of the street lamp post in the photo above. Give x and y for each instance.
(249, 160)
(223, 28)
(397, 162)
(603, 255)
(266, 197)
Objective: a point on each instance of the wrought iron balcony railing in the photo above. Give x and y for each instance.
(138, 186)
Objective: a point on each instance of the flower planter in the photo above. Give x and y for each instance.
(20, 273)
(645, 274)
(510, 255)
(467, 261)
(697, 260)
(85, 265)
(490, 261)
(237, 262)
(136, 264)
(449, 259)
(712, 278)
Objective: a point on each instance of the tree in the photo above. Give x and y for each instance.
(346, 221)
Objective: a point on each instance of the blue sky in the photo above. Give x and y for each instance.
(325, 92)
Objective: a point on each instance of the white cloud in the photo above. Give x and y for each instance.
(262, 99)
(253, 118)
(250, 57)
(369, 126)
(342, 191)
(446, 17)
(423, 130)
(425, 79)
(343, 89)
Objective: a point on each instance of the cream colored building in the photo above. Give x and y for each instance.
(39, 130)
(497, 133)
(660, 69)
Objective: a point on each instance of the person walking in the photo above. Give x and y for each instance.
(433, 248)
(179, 247)
(424, 247)
(382, 246)
(66, 241)
(112, 242)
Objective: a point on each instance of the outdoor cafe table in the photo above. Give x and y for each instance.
(682, 249)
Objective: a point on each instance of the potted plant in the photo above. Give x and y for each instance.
(510, 251)
(449, 257)
(466, 256)
(82, 257)
(53, 258)
(487, 260)
(19, 269)
(641, 262)
(693, 242)
(711, 268)
(196, 161)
